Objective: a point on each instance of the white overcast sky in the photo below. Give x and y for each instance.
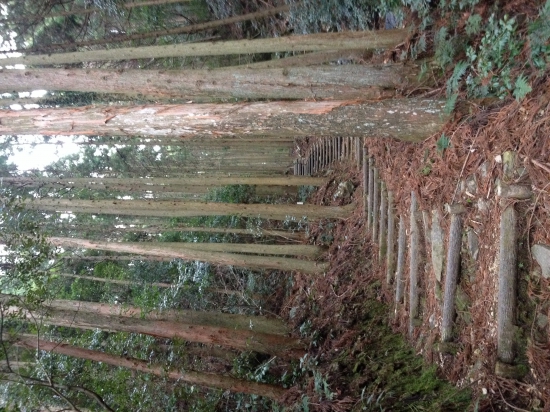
(41, 155)
(28, 156)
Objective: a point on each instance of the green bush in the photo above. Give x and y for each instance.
(233, 194)
(314, 16)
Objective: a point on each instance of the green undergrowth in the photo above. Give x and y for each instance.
(233, 194)
(390, 376)
(489, 54)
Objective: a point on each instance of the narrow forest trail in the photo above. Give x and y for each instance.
(455, 247)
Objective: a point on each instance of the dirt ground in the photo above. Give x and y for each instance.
(465, 172)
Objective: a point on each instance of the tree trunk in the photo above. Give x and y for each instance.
(170, 208)
(256, 232)
(321, 82)
(114, 281)
(184, 247)
(118, 258)
(169, 183)
(321, 41)
(258, 324)
(193, 28)
(308, 59)
(218, 258)
(191, 377)
(404, 119)
(243, 340)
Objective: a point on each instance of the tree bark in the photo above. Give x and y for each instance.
(118, 258)
(184, 247)
(168, 208)
(259, 232)
(234, 331)
(321, 82)
(243, 340)
(191, 377)
(172, 183)
(219, 258)
(114, 281)
(258, 324)
(312, 42)
(159, 228)
(308, 59)
(404, 119)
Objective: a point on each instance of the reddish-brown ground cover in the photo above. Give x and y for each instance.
(478, 136)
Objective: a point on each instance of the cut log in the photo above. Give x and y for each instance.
(375, 205)
(506, 311)
(382, 238)
(370, 193)
(414, 263)
(451, 273)
(507, 283)
(365, 184)
(390, 247)
(401, 250)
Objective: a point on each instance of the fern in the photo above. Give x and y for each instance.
(443, 143)
(444, 48)
(473, 24)
(451, 103)
(458, 72)
(539, 37)
(521, 88)
(418, 47)
(423, 71)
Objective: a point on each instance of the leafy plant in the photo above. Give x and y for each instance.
(321, 386)
(492, 62)
(418, 47)
(473, 24)
(458, 73)
(521, 87)
(305, 191)
(458, 4)
(444, 47)
(443, 143)
(338, 15)
(27, 254)
(488, 68)
(539, 38)
(233, 194)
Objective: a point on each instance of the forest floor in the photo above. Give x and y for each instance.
(350, 316)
